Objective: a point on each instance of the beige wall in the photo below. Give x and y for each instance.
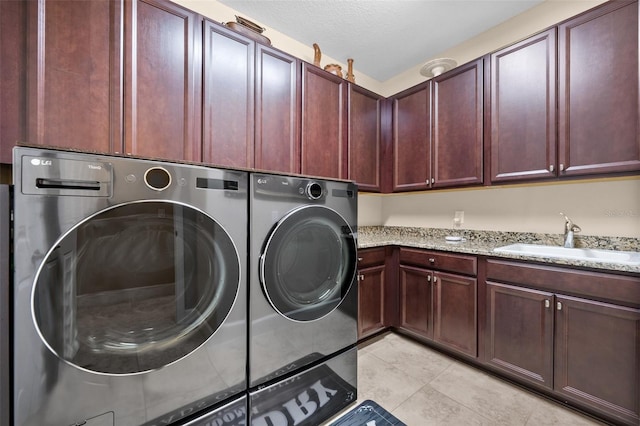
(604, 207)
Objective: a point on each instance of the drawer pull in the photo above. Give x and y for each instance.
(359, 259)
(432, 260)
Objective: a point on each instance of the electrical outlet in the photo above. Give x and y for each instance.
(458, 218)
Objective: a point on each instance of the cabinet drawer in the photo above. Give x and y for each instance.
(371, 256)
(620, 289)
(438, 260)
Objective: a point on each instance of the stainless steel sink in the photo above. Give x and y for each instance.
(593, 255)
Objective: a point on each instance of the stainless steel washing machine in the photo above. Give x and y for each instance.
(129, 289)
(303, 255)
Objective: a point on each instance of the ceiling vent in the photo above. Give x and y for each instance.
(435, 67)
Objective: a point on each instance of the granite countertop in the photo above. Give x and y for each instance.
(483, 243)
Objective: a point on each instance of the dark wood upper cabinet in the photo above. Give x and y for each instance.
(365, 138)
(523, 110)
(228, 96)
(13, 77)
(324, 123)
(277, 117)
(457, 126)
(412, 138)
(74, 87)
(598, 91)
(162, 80)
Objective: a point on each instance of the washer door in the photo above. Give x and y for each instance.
(135, 287)
(308, 263)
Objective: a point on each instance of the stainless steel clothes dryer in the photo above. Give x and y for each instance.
(303, 256)
(129, 297)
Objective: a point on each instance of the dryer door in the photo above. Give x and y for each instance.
(308, 263)
(135, 287)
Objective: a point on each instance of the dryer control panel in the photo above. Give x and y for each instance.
(61, 176)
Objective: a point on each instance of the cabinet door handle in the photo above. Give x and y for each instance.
(559, 306)
(429, 278)
(551, 168)
(547, 304)
(435, 279)
(433, 180)
(561, 167)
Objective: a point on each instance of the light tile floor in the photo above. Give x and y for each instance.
(421, 387)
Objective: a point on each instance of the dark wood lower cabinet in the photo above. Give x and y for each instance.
(520, 332)
(372, 291)
(416, 301)
(371, 318)
(436, 305)
(579, 350)
(597, 356)
(455, 316)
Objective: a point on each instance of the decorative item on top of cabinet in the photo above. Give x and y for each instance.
(249, 29)
(598, 92)
(317, 55)
(350, 76)
(334, 69)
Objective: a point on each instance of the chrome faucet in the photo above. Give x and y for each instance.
(569, 229)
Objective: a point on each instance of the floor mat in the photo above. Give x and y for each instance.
(368, 413)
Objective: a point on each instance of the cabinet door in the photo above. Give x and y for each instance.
(455, 314)
(228, 96)
(597, 356)
(598, 91)
(457, 117)
(412, 139)
(365, 126)
(13, 70)
(324, 123)
(277, 97)
(162, 80)
(370, 300)
(519, 333)
(74, 91)
(416, 314)
(523, 109)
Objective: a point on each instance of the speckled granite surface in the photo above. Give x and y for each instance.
(483, 243)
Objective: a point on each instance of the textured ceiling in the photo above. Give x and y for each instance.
(384, 37)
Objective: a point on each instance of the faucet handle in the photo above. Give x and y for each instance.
(569, 224)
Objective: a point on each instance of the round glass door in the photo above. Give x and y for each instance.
(135, 287)
(308, 263)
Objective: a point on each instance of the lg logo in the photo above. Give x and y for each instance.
(39, 162)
